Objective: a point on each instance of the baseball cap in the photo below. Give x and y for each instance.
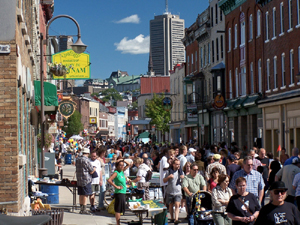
(232, 157)
(296, 160)
(192, 150)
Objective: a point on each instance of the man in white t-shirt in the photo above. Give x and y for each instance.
(95, 181)
(129, 162)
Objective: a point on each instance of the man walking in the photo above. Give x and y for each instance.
(255, 182)
(216, 163)
(190, 185)
(95, 181)
(182, 156)
(287, 175)
(174, 195)
(84, 169)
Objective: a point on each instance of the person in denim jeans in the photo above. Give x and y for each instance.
(191, 184)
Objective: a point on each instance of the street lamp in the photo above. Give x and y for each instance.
(77, 47)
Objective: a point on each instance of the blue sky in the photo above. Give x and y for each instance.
(117, 31)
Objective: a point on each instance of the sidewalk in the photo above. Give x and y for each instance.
(99, 218)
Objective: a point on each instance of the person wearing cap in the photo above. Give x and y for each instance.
(287, 175)
(191, 157)
(84, 169)
(255, 182)
(232, 166)
(278, 211)
(216, 163)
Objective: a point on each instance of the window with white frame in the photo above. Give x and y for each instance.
(221, 15)
(274, 22)
(275, 73)
(236, 82)
(290, 15)
(268, 74)
(229, 39)
(281, 18)
(192, 62)
(259, 76)
(243, 81)
(230, 85)
(251, 77)
(204, 55)
(216, 9)
(188, 64)
(258, 23)
(267, 26)
(243, 33)
(201, 57)
(222, 48)
(282, 70)
(213, 51)
(208, 52)
(196, 61)
(235, 36)
(217, 48)
(250, 27)
(292, 66)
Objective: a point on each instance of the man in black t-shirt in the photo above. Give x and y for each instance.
(265, 164)
(278, 211)
(232, 166)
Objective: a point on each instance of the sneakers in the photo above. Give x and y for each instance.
(85, 212)
(182, 210)
(177, 221)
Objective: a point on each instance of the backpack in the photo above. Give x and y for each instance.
(148, 175)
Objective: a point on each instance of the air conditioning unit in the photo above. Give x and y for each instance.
(22, 160)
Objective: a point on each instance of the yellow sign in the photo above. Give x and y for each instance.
(80, 64)
(93, 120)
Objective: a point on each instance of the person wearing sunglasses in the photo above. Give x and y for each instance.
(191, 184)
(278, 211)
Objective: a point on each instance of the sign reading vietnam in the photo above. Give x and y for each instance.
(78, 64)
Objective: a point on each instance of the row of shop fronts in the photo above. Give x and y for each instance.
(249, 121)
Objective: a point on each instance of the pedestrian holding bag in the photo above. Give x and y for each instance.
(247, 208)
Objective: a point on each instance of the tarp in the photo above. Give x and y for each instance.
(50, 94)
(143, 135)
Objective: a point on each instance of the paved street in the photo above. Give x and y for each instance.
(72, 218)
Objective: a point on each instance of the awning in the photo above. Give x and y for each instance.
(50, 94)
(239, 103)
(139, 122)
(143, 135)
(251, 101)
(220, 66)
(230, 104)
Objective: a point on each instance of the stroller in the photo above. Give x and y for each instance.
(202, 208)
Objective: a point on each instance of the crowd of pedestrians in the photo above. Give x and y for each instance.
(237, 180)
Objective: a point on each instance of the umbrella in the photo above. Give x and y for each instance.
(76, 137)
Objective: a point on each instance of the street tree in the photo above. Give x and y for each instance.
(73, 125)
(159, 116)
(111, 93)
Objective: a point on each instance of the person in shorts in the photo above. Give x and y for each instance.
(84, 169)
(173, 191)
(96, 180)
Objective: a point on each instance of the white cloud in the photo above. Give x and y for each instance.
(130, 19)
(138, 45)
(79, 83)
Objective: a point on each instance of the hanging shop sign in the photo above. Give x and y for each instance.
(167, 103)
(66, 108)
(219, 102)
(77, 64)
(93, 120)
(4, 49)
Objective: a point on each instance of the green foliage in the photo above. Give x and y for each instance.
(95, 94)
(111, 93)
(134, 105)
(74, 125)
(154, 110)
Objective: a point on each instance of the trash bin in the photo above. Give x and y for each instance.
(57, 216)
(68, 159)
(53, 193)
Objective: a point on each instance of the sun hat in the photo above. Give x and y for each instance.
(86, 151)
(217, 156)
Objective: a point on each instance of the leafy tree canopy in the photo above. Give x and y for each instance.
(159, 116)
(74, 125)
(111, 93)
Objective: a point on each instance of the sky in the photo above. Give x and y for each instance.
(117, 31)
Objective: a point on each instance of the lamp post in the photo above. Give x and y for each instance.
(77, 47)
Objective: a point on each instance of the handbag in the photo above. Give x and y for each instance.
(94, 175)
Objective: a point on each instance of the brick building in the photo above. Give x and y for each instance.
(281, 64)
(18, 68)
(243, 69)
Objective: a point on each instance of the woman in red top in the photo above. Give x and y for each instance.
(213, 181)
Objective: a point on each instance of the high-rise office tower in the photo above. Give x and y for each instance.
(166, 47)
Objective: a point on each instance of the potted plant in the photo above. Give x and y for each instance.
(48, 139)
(59, 69)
